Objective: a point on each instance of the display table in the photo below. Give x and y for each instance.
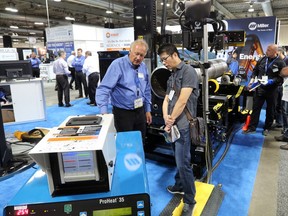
(46, 72)
(26, 101)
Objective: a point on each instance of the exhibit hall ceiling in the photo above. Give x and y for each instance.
(22, 18)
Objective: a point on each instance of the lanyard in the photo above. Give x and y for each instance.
(137, 82)
(268, 66)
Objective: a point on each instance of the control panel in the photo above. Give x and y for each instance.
(137, 204)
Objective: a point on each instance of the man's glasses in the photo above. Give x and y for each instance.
(165, 58)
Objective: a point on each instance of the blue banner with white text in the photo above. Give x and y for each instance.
(260, 32)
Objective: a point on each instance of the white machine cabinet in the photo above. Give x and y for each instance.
(28, 101)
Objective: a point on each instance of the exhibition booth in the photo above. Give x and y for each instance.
(84, 167)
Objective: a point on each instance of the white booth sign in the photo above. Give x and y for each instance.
(7, 54)
(60, 33)
(118, 39)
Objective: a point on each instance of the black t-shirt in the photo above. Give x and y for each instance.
(270, 67)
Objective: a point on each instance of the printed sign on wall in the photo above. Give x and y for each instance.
(60, 33)
(68, 47)
(118, 39)
(7, 54)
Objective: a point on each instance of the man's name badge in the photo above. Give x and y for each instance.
(140, 75)
(138, 103)
(171, 94)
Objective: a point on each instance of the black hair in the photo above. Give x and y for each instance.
(168, 48)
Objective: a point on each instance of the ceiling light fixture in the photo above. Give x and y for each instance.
(57, 0)
(110, 8)
(70, 18)
(11, 7)
(14, 27)
(38, 23)
(251, 9)
(168, 5)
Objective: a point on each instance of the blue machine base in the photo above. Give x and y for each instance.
(129, 194)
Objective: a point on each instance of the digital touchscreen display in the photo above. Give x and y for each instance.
(78, 162)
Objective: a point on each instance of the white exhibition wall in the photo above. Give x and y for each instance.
(283, 32)
(90, 38)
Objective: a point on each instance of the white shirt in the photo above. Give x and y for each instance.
(70, 60)
(285, 89)
(90, 66)
(60, 67)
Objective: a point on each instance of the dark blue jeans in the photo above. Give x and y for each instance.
(184, 177)
(285, 118)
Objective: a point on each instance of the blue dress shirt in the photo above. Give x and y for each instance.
(124, 84)
(35, 62)
(78, 63)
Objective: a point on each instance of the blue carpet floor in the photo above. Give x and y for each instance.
(236, 173)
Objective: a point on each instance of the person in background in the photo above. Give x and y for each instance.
(284, 136)
(60, 68)
(90, 69)
(35, 62)
(182, 91)
(72, 70)
(80, 78)
(267, 70)
(233, 63)
(127, 82)
(278, 106)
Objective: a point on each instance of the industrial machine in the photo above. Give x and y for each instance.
(79, 155)
(219, 100)
(86, 170)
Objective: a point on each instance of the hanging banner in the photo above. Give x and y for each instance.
(260, 32)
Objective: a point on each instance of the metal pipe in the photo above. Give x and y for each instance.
(163, 17)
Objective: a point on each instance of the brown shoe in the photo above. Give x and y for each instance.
(284, 147)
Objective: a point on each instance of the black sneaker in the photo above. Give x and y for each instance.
(188, 209)
(68, 105)
(249, 131)
(60, 105)
(91, 104)
(174, 190)
(281, 138)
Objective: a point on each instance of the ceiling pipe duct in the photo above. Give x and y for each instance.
(267, 8)
(30, 18)
(225, 12)
(20, 30)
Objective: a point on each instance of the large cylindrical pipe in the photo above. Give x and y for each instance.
(159, 77)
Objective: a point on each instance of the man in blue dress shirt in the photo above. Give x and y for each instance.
(126, 83)
(35, 62)
(80, 78)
